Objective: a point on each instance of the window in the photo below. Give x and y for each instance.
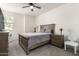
(9, 23)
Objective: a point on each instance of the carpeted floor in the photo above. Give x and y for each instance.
(46, 50)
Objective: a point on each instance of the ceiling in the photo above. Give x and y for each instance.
(17, 7)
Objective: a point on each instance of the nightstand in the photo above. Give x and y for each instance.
(57, 40)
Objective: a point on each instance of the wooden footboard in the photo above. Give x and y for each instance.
(23, 42)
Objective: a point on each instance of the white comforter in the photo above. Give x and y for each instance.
(36, 37)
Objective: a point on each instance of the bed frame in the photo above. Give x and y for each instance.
(23, 42)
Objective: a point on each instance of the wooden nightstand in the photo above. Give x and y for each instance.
(57, 40)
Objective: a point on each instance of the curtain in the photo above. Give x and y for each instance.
(1, 20)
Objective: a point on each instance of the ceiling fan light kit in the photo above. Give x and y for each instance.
(32, 6)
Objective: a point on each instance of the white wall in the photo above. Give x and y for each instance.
(29, 23)
(18, 23)
(66, 17)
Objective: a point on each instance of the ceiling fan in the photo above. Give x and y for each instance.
(32, 6)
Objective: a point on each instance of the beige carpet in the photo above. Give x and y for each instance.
(46, 50)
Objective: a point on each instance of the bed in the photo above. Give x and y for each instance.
(30, 41)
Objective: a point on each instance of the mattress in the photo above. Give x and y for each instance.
(34, 34)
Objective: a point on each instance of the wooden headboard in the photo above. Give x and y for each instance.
(47, 28)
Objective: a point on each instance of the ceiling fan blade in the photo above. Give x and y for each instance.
(25, 6)
(37, 7)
